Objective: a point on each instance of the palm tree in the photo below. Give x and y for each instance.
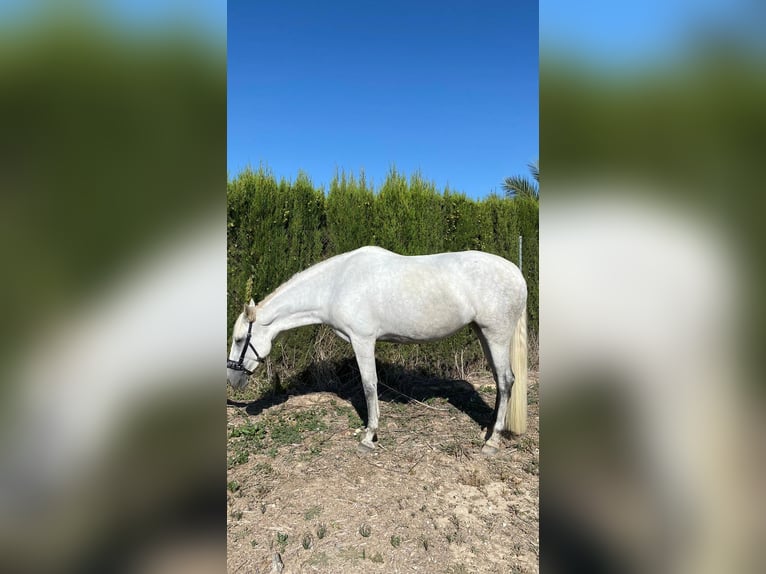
(522, 186)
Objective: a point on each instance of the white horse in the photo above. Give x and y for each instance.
(371, 294)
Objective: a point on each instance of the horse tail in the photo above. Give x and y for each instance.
(516, 416)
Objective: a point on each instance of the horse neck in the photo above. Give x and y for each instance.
(297, 303)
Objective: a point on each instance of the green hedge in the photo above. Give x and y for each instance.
(277, 228)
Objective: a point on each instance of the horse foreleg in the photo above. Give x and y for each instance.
(365, 358)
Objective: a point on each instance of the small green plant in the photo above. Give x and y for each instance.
(263, 468)
(365, 530)
(395, 541)
(527, 444)
(239, 457)
(312, 513)
(453, 448)
(248, 431)
(283, 433)
(307, 541)
(282, 540)
(321, 530)
(311, 420)
(233, 486)
(236, 515)
(246, 438)
(285, 430)
(377, 558)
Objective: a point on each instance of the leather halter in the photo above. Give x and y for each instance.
(239, 365)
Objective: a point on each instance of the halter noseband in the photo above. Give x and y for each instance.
(239, 365)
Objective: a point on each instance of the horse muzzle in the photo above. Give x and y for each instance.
(238, 366)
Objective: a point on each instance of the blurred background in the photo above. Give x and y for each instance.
(651, 321)
(112, 231)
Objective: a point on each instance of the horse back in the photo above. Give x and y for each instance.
(418, 298)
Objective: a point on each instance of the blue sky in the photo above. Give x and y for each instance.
(449, 88)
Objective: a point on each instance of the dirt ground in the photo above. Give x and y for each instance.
(425, 501)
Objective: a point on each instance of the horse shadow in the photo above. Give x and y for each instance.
(396, 384)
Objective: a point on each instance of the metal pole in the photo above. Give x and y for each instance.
(520, 242)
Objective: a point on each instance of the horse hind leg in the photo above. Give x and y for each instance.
(499, 358)
(365, 358)
(488, 356)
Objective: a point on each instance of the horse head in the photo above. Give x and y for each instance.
(249, 346)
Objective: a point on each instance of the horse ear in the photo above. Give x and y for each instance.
(249, 310)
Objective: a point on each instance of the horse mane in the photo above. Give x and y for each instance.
(311, 271)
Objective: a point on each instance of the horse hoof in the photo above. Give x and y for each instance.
(489, 450)
(362, 448)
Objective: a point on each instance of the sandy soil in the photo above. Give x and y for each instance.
(425, 501)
